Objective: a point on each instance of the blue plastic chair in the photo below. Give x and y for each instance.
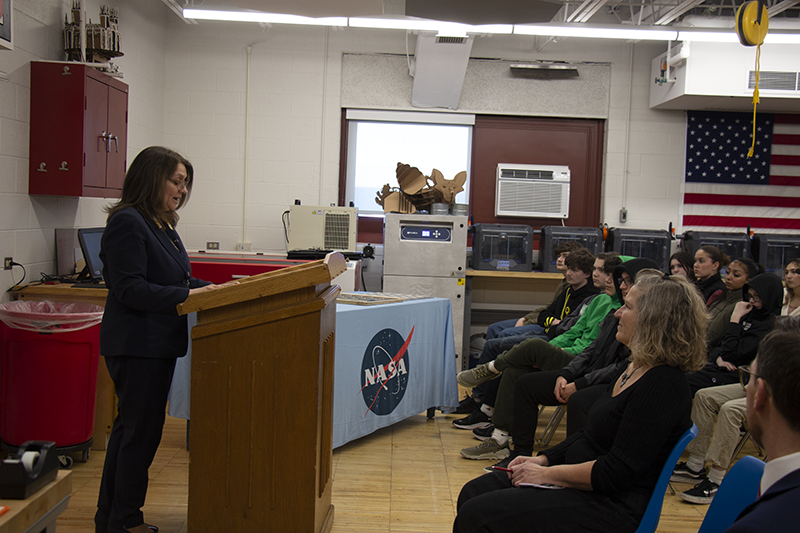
(738, 490)
(652, 514)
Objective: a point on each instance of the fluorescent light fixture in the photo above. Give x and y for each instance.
(246, 15)
(728, 36)
(394, 23)
(595, 32)
(444, 29)
(782, 38)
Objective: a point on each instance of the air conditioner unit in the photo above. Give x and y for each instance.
(322, 228)
(532, 191)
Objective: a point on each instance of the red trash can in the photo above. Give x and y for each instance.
(49, 352)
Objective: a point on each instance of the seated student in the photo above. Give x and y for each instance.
(723, 411)
(739, 272)
(682, 264)
(536, 354)
(791, 277)
(708, 261)
(718, 413)
(773, 416)
(610, 468)
(750, 321)
(517, 329)
(521, 326)
(578, 290)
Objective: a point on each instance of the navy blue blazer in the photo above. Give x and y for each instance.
(148, 274)
(776, 510)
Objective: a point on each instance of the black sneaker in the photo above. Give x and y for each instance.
(683, 474)
(478, 419)
(467, 406)
(702, 493)
(483, 433)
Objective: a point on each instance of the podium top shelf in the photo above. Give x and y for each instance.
(267, 284)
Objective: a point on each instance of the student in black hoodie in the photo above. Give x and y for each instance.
(751, 319)
(708, 261)
(580, 264)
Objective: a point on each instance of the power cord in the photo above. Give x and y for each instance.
(24, 273)
(286, 222)
(368, 252)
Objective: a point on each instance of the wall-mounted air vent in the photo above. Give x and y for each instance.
(775, 81)
(532, 191)
(450, 40)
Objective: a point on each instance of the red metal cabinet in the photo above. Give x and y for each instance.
(79, 131)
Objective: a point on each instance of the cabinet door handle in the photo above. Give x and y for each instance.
(42, 167)
(112, 137)
(104, 136)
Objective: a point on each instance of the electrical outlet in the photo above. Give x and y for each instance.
(623, 215)
(7, 263)
(243, 246)
(212, 245)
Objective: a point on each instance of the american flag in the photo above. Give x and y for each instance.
(725, 190)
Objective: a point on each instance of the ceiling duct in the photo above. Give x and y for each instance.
(440, 67)
(544, 71)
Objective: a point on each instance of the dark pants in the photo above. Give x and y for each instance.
(490, 504)
(535, 389)
(491, 350)
(142, 385)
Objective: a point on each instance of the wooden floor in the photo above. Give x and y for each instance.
(405, 478)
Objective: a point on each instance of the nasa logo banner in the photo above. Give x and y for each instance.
(384, 371)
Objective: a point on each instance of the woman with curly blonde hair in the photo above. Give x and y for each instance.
(609, 469)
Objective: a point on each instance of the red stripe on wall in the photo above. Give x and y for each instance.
(742, 222)
(729, 199)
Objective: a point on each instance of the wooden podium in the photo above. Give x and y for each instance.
(262, 402)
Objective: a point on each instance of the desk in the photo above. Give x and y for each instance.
(38, 512)
(369, 391)
(493, 295)
(367, 339)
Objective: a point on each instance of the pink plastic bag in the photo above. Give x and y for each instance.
(50, 317)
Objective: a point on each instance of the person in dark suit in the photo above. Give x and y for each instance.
(772, 386)
(147, 272)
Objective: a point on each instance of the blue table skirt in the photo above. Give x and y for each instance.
(393, 361)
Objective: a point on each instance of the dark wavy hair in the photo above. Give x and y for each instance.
(146, 181)
(687, 262)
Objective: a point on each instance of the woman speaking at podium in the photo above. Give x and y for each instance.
(147, 272)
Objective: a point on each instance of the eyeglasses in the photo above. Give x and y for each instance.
(753, 296)
(625, 281)
(744, 376)
(180, 184)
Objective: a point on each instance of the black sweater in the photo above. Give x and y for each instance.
(631, 435)
(711, 286)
